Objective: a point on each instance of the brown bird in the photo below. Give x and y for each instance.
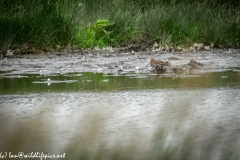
(158, 65)
(154, 63)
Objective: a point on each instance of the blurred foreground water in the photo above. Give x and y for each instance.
(128, 116)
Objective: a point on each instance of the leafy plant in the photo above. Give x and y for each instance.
(101, 34)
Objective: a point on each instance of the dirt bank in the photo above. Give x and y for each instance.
(116, 62)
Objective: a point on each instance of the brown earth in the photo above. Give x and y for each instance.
(110, 61)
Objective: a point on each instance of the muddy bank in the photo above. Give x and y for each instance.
(107, 61)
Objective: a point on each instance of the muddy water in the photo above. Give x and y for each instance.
(79, 95)
(74, 82)
(123, 106)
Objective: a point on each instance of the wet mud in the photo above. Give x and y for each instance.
(108, 61)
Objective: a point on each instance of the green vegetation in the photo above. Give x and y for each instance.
(99, 34)
(41, 24)
(89, 23)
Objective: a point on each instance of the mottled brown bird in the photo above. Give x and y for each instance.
(154, 63)
(158, 64)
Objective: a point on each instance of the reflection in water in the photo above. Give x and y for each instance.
(132, 80)
(202, 110)
(124, 112)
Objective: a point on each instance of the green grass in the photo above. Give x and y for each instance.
(48, 24)
(189, 23)
(124, 22)
(39, 24)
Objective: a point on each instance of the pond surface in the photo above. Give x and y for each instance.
(74, 82)
(123, 104)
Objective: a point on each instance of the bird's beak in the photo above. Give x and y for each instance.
(147, 65)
